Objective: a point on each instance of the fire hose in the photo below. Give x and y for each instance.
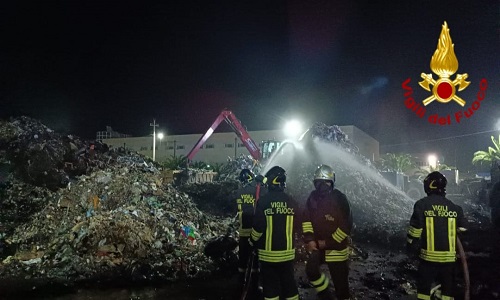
(248, 276)
(251, 259)
(465, 270)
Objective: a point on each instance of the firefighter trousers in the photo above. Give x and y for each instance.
(431, 272)
(339, 272)
(278, 281)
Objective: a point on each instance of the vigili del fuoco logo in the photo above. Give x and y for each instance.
(444, 89)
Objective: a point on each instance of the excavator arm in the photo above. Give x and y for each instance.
(236, 126)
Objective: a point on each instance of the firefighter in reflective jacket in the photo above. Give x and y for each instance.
(273, 236)
(435, 221)
(326, 225)
(245, 199)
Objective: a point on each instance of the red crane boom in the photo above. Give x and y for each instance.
(240, 131)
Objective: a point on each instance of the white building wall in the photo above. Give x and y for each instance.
(222, 145)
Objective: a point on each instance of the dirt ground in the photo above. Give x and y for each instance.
(385, 274)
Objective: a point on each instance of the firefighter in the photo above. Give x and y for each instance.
(273, 237)
(435, 222)
(495, 205)
(246, 198)
(326, 226)
(495, 219)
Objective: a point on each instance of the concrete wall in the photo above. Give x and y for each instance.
(222, 145)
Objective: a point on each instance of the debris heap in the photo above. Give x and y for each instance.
(380, 211)
(72, 212)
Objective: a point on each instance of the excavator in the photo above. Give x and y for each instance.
(268, 146)
(239, 129)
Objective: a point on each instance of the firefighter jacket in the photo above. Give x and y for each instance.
(327, 216)
(245, 199)
(436, 221)
(273, 227)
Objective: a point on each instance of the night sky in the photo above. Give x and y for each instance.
(81, 65)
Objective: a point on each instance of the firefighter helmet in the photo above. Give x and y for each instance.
(246, 176)
(324, 172)
(435, 183)
(276, 177)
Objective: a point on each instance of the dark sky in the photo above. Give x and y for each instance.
(81, 65)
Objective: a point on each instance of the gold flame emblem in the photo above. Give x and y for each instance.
(444, 63)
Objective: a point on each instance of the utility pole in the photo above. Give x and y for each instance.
(154, 124)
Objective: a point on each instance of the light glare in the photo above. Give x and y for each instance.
(432, 159)
(293, 128)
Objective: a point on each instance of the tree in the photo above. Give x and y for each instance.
(491, 156)
(397, 162)
(199, 165)
(175, 162)
(422, 172)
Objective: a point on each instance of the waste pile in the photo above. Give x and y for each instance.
(214, 197)
(380, 211)
(74, 210)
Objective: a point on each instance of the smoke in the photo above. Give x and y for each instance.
(376, 83)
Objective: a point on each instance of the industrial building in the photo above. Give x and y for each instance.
(223, 145)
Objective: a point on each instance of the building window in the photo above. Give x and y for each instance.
(241, 145)
(170, 147)
(144, 148)
(228, 145)
(209, 146)
(180, 147)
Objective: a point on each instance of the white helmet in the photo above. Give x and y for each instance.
(324, 172)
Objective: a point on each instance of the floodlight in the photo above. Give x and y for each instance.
(292, 128)
(432, 160)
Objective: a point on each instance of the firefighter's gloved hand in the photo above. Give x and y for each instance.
(311, 246)
(259, 178)
(252, 244)
(410, 250)
(321, 244)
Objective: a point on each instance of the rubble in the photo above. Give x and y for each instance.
(111, 213)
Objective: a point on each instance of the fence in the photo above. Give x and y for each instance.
(194, 176)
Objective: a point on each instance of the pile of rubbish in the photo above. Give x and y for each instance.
(381, 212)
(73, 210)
